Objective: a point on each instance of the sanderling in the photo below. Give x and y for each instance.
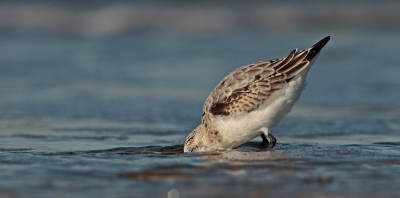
(251, 100)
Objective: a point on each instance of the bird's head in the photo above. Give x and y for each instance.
(195, 140)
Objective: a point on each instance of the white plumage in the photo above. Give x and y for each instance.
(251, 100)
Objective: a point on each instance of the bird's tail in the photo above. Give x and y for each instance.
(314, 50)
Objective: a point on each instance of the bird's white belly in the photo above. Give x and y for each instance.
(236, 130)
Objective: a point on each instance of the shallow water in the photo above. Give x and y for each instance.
(49, 158)
(107, 116)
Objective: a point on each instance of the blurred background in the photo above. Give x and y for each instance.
(101, 58)
(83, 82)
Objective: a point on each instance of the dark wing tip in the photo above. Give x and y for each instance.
(317, 47)
(323, 41)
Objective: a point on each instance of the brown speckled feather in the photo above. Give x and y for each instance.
(247, 87)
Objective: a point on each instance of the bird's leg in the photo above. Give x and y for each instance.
(273, 141)
(265, 140)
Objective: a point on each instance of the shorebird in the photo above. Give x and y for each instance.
(251, 100)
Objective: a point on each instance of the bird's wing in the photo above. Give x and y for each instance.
(247, 87)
